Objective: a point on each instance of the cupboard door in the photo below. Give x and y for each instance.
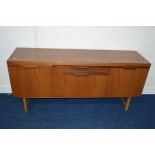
(80, 82)
(121, 83)
(31, 81)
(126, 82)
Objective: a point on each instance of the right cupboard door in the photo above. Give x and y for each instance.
(126, 82)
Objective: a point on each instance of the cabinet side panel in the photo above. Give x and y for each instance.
(15, 86)
(140, 80)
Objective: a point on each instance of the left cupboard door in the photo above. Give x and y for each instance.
(31, 81)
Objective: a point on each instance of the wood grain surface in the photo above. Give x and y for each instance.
(77, 57)
(76, 73)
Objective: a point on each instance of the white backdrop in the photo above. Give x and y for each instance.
(141, 39)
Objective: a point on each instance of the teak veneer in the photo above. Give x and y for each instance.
(76, 73)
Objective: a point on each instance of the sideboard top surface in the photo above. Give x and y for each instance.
(78, 57)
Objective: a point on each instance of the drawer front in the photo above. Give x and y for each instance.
(80, 69)
(80, 81)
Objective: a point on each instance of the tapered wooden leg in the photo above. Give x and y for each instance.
(25, 102)
(127, 103)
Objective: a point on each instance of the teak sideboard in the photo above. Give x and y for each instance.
(76, 73)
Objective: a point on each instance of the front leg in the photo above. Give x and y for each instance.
(127, 103)
(25, 102)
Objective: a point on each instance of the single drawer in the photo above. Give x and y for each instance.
(81, 70)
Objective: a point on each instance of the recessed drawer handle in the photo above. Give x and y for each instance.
(81, 67)
(86, 74)
(130, 67)
(29, 66)
(81, 74)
